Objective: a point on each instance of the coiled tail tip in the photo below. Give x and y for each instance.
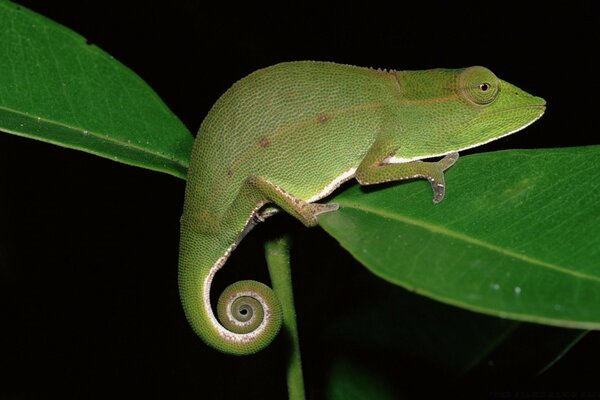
(251, 313)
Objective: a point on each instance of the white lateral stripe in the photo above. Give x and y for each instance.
(223, 332)
(334, 184)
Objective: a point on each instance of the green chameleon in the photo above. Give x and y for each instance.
(290, 134)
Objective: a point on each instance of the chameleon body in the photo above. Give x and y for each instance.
(290, 134)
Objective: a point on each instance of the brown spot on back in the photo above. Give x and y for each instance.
(229, 172)
(264, 142)
(322, 118)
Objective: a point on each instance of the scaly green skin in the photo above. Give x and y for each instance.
(290, 134)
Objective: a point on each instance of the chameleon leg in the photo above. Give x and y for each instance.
(270, 192)
(377, 169)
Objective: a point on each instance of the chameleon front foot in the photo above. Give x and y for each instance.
(436, 176)
(380, 167)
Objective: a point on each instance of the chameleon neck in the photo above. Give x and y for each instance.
(249, 313)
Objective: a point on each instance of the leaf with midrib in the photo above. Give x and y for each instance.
(57, 88)
(391, 322)
(517, 236)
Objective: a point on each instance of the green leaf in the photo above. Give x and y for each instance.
(394, 324)
(57, 88)
(397, 324)
(517, 236)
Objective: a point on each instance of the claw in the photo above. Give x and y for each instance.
(439, 190)
(438, 182)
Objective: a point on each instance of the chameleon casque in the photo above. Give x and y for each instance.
(290, 134)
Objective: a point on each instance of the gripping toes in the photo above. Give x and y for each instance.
(438, 183)
(439, 188)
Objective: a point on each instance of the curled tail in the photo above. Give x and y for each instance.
(249, 312)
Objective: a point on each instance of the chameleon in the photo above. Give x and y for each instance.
(288, 135)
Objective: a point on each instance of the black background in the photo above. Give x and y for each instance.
(88, 249)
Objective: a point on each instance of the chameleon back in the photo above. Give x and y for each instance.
(287, 123)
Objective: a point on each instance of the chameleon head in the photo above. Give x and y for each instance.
(465, 108)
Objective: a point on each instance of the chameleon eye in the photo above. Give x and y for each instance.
(478, 85)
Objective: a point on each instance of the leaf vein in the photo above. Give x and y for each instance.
(468, 239)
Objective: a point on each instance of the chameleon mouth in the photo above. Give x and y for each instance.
(526, 120)
(530, 120)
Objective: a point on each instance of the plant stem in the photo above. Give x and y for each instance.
(278, 261)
